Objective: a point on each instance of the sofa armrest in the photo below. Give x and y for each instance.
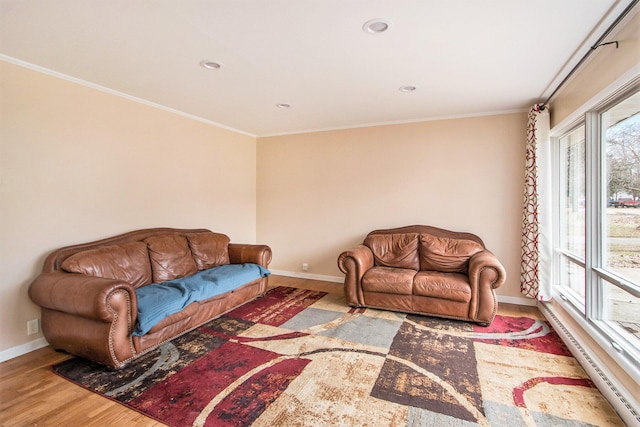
(354, 263)
(91, 297)
(240, 253)
(486, 273)
(485, 268)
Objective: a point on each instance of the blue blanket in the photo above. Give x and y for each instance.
(159, 300)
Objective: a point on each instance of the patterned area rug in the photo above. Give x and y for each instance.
(301, 357)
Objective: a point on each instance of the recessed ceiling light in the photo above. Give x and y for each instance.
(283, 106)
(407, 88)
(211, 65)
(376, 26)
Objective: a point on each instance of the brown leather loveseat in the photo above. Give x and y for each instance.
(88, 292)
(424, 270)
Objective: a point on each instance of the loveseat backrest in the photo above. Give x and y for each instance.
(144, 256)
(434, 231)
(421, 247)
(397, 250)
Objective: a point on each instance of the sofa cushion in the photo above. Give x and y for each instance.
(159, 300)
(209, 249)
(389, 280)
(446, 254)
(394, 250)
(128, 262)
(170, 257)
(449, 286)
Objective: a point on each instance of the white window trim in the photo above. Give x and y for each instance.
(600, 99)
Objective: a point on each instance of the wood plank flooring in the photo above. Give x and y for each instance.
(32, 395)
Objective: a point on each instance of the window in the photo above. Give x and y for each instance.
(597, 215)
(572, 214)
(619, 285)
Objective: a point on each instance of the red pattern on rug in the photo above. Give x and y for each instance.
(518, 392)
(548, 342)
(270, 309)
(243, 370)
(181, 398)
(245, 404)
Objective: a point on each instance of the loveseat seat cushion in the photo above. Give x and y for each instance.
(159, 300)
(170, 257)
(209, 249)
(448, 286)
(394, 250)
(128, 262)
(389, 280)
(446, 254)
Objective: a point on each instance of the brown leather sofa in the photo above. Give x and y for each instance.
(424, 270)
(88, 291)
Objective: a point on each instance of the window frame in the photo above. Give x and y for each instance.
(608, 334)
(560, 254)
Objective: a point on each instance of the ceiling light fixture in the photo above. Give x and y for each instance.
(376, 26)
(283, 106)
(211, 65)
(407, 88)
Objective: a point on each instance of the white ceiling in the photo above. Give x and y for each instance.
(466, 57)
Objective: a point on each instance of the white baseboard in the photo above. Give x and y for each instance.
(19, 350)
(622, 400)
(517, 300)
(336, 279)
(308, 276)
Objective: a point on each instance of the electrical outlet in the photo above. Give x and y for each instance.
(305, 267)
(33, 327)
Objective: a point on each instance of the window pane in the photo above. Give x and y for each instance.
(573, 282)
(572, 192)
(622, 309)
(621, 129)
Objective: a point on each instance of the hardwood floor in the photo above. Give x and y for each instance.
(32, 395)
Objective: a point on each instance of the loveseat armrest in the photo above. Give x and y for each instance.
(486, 274)
(87, 296)
(354, 263)
(240, 253)
(484, 267)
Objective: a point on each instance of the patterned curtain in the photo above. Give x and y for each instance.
(535, 264)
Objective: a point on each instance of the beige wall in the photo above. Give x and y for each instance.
(320, 193)
(77, 164)
(601, 69)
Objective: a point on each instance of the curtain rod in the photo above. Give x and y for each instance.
(591, 50)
